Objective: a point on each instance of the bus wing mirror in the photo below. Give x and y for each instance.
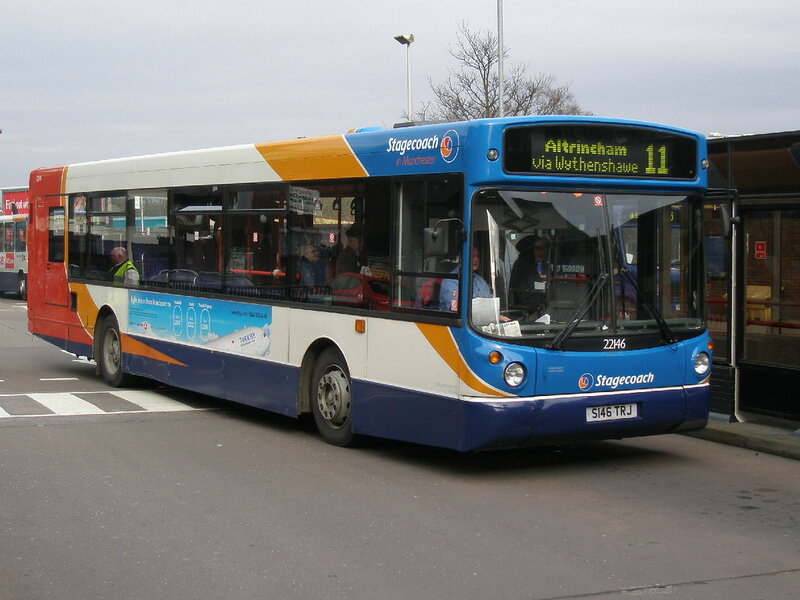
(434, 241)
(437, 240)
(728, 221)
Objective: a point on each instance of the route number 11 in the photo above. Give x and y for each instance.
(656, 155)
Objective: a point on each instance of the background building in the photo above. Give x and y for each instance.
(753, 280)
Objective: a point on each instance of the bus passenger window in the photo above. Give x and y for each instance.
(55, 247)
(254, 222)
(7, 231)
(197, 251)
(150, 234)
(97, 224)
(21, 237)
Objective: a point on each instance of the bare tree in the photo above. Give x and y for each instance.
(471, 92)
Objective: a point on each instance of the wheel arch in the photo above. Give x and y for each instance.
(104, 312)
(313, 352)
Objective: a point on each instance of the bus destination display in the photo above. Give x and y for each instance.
(599, 151)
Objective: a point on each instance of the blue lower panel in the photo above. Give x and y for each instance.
(395, 413)
(254, 382)
(71, 346)
(468, 425)
(697, 407)
(400, 414)
(8, 281)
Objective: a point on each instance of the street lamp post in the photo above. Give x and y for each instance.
(406, 40)
(500, 52)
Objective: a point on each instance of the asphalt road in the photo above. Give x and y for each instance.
(207, 500)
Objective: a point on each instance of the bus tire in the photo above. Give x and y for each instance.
(331, 398)
(22, 287)
(109, 353)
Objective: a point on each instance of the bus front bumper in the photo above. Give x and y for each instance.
(472, 423)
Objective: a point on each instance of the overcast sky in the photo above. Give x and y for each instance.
(102, 79)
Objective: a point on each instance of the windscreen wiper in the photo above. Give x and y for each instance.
(579, 312)
(666, 332)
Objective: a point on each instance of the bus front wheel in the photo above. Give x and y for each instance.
(109, 351)
(331, 398)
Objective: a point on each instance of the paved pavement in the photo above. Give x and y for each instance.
(779, 439)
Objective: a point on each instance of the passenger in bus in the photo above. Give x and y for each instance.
(448, 291)
(123, 270)
(349, 258)
(312, 269)
(528, 283)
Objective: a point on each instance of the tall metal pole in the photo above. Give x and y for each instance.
(500, 75)
(406, 40)
(408, 80)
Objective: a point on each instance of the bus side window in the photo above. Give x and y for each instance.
(149, 236)
(255, 219)
(21, 236)
(427, 203)
(55, 246)
(196, 255)
(97, 223)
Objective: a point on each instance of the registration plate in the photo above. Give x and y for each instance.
(614, 412)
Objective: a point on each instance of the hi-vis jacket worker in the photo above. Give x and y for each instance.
(123, 271)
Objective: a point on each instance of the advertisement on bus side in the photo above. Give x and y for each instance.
(15, 203)
(232, 327)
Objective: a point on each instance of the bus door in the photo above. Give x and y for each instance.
(47, 276)
(51, 311)
(56, 291)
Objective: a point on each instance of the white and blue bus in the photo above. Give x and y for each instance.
(14, 240)
(14, 254)
(492, 283)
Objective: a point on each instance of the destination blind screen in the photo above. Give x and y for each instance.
(599, 151)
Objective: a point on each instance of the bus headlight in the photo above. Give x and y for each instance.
(701, 363)
(514, 373)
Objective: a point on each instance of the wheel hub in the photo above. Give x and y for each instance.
(333, 397)
(112, 352)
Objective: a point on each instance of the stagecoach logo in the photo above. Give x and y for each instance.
(588, 381)
(403, 146)
(447, 146)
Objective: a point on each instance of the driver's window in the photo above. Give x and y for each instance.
(432, 203)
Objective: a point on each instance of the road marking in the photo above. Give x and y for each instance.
(58, 379)
(88, 403)
(66, 404)
(153, 402)
(79, 359)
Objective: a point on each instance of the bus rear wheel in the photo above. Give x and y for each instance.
(331, 398)
(109, 353)
(22, 287)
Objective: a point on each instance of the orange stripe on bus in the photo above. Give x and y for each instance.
(87, 309)
(64, 180)
(325, 158)
(133, 346)
(87, 312)
(442, 341)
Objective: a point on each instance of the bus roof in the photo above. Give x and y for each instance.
(417, 149)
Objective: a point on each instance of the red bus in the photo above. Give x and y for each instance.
(14, 241)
